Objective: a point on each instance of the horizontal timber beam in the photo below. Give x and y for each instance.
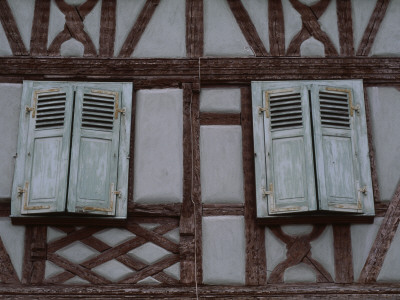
(294, 291)
(165, 72)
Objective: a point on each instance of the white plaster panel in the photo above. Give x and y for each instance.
(54, 234)
(56, 22)
(221, 164)
(158, 146)
(362, 238)
(77, 280)
(72, 48)
(292, 21)
(296, 230)
(275, 250)
(23, 11)
(174, 271)
(77, 252)
(220, 100)
(312, 47)
(165, 35)
(385, 105)
(299, 273)
(127, 13)
(222, 35)
(92, 24)
(5, 49)
(258, 12)
(391, 264)
(322, 250)
(148, 280)
(113, 270)
(74, 2)
(361, 13)
(52, 269)
(13, 240)
(329, 24)
(224, 254)
(149, 253)
(173, 235)
(387, 41)
(114, 236)
(10, 102)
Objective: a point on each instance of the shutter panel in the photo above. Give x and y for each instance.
(335, 136)
(95, 152)
(49, 114)
(288, 150)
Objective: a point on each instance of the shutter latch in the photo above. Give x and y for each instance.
(267, 193)
(354, 108)
(117, 193)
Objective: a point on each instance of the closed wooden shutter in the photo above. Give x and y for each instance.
(290, 184)
(335, 136)
(49, 117)
(93, 179)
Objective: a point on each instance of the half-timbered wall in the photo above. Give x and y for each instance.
(191, 213)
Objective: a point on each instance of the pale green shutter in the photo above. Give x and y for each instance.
(47, 110)
(335, 133)
(95, 151)
(290, 184)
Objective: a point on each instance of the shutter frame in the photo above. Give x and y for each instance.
(50, 195)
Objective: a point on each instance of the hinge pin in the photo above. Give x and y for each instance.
(267, 193)
(363, 190)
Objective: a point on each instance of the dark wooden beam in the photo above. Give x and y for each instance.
(375, 71)
(345, 26)
(11, 30)
(247, 27)
(343, 253)
(372, 28)
(382, 242)
(5, 207)
(194, 28)
(187, 218)
(35, 254)
(276, 28)
(256, 265)
(223, 210)
(138, 28)
(219, 119)
(107, 28)
(7, 271)
(40, 28)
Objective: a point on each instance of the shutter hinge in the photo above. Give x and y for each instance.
(119, 110)
(267, 193)
(30, 109)
(24, 191)
(363, 190)
(354, 108)
(263, 109)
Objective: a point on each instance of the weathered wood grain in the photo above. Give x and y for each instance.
(11, 30)
(194, 28)
(247, 27)
(7, 271)
(59, 278)
(372, 28)
(40, 28)
(382, 242)
(152, 269)
(223, 210)
(256, 265)
(35, 254)
(374, 70)
(345, 27)
(74, 27)
(76, 269)
(276, 28)
(107, 28)
(138, 28)
(207, 118)
(381, 208)
(372, 156)
(163, 210)
(294, 47)
(310, 22)
(343, 253)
